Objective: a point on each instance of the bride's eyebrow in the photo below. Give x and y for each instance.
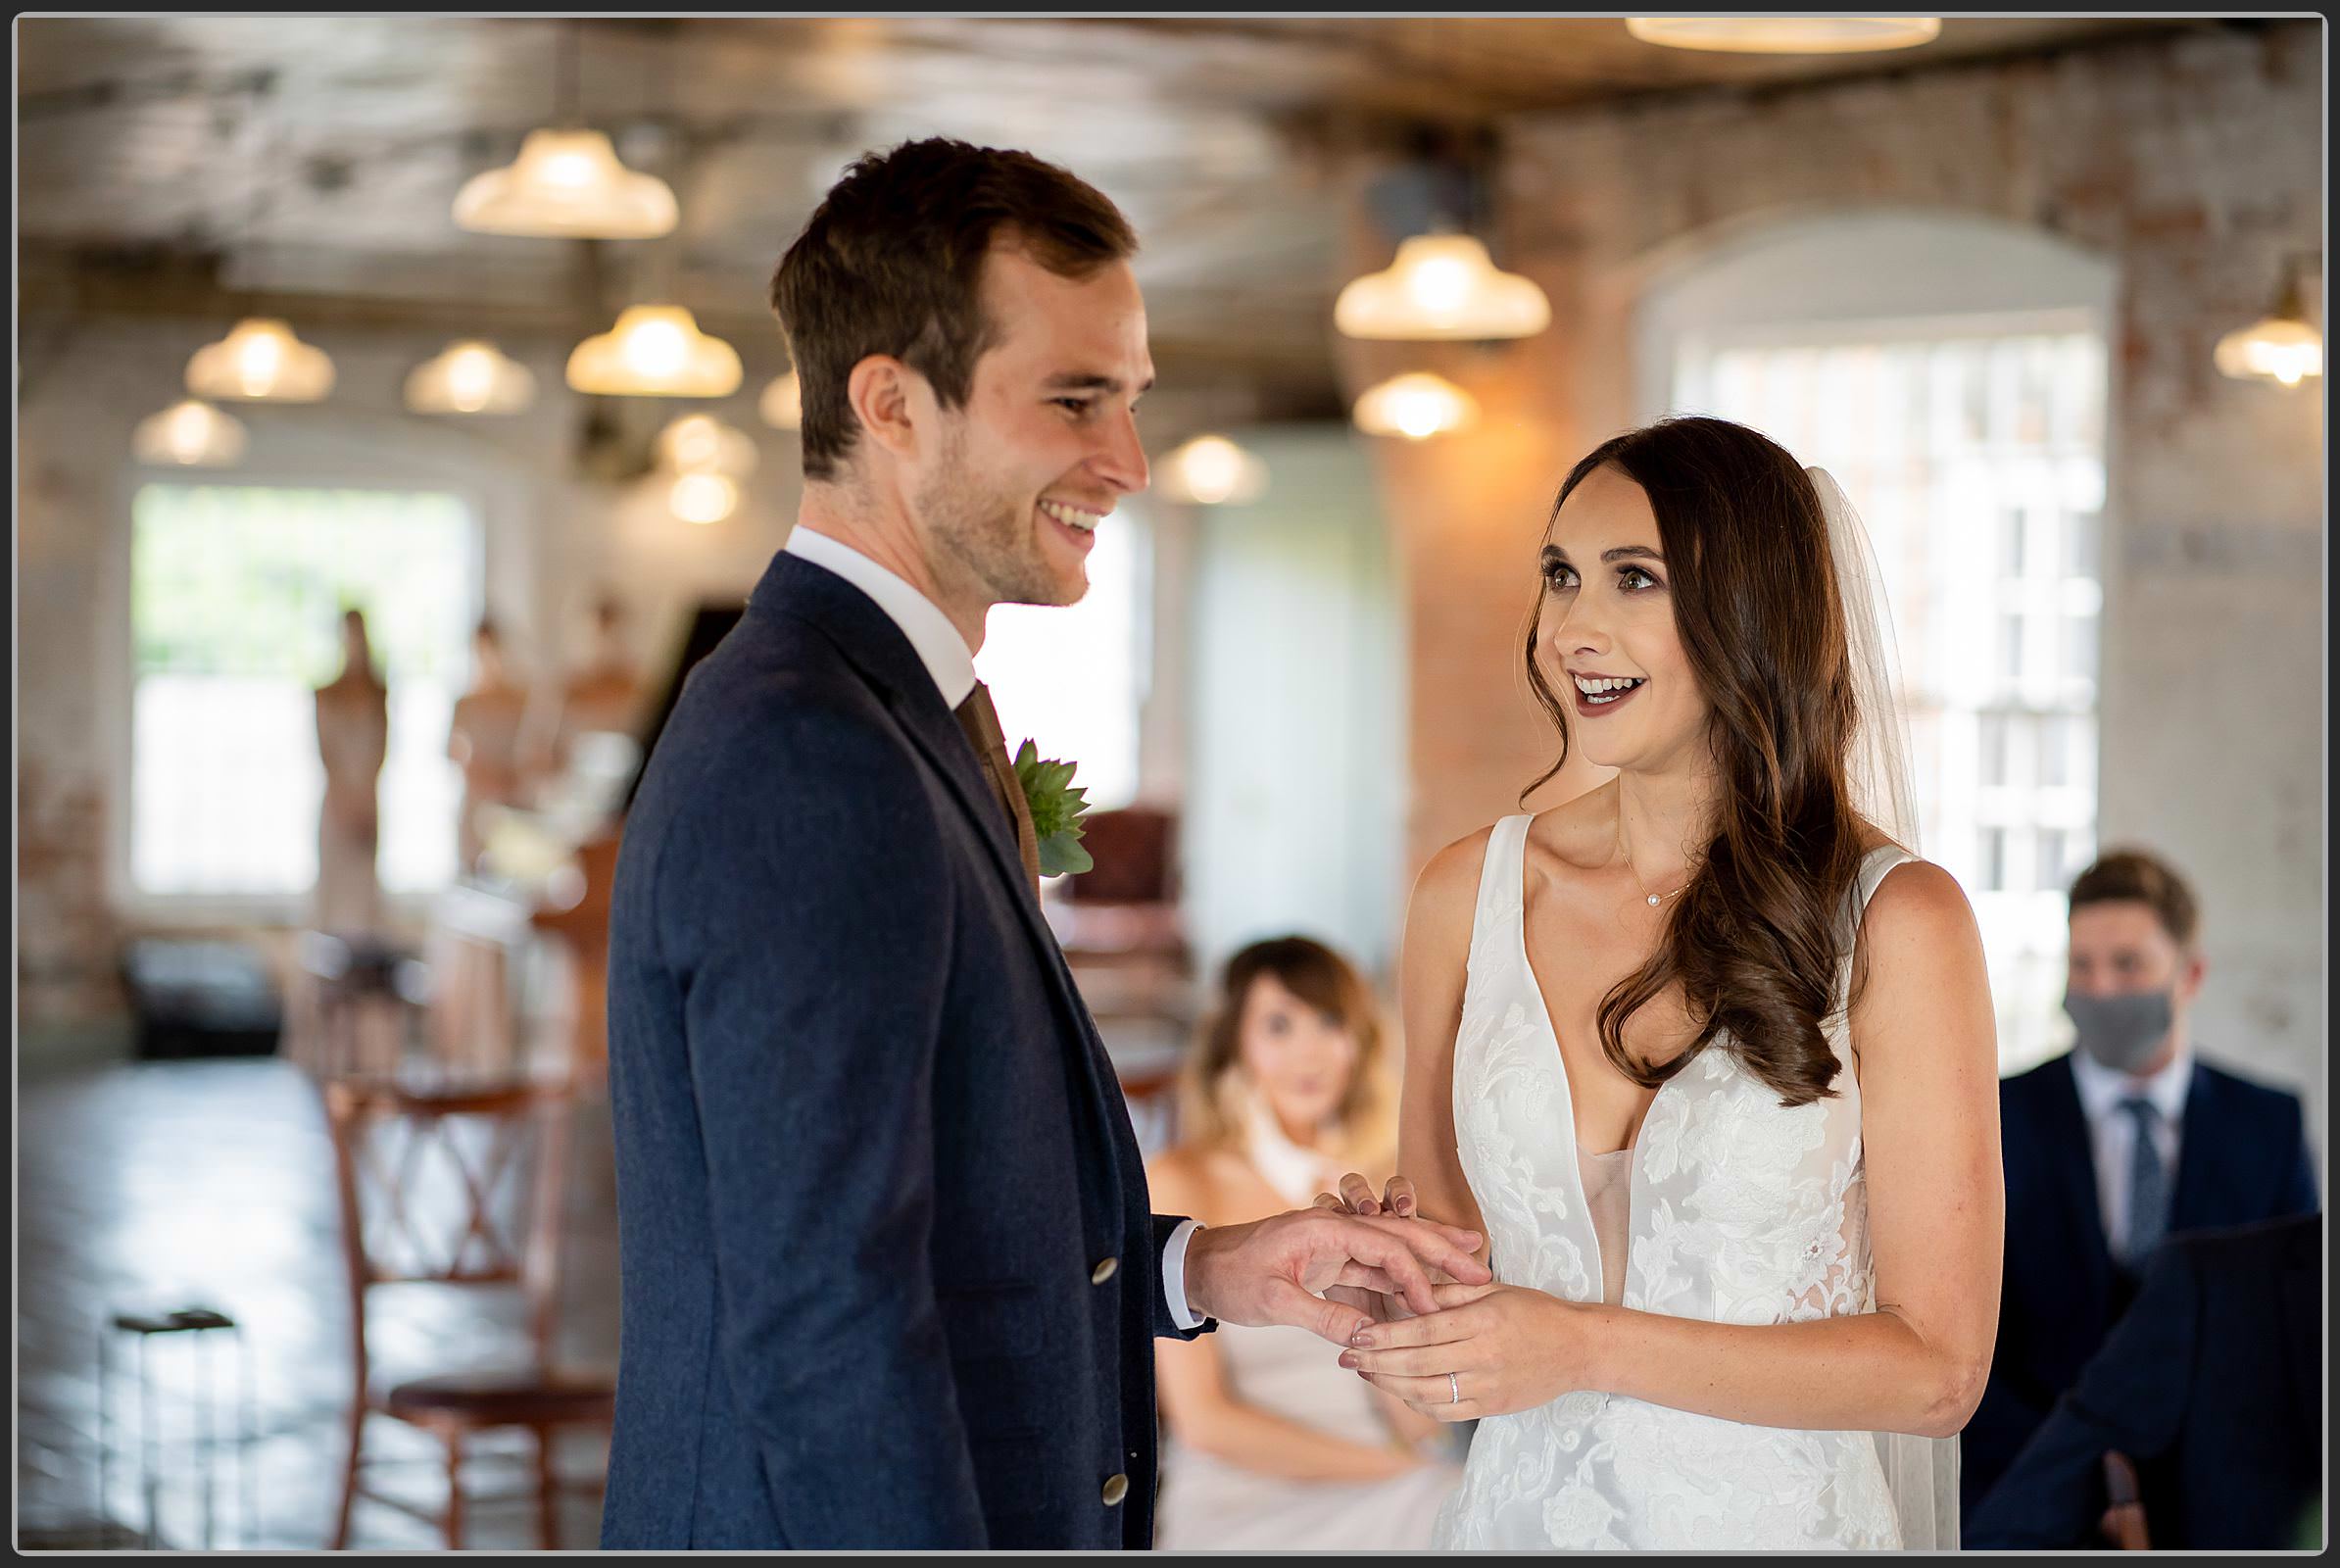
(1554, 554)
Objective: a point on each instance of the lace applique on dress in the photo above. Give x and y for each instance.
(1728, 1207)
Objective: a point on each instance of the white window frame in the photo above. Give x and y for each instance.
(334, 452)
(1813, 277)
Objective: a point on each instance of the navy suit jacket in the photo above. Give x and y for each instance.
(889, 1276)
(2243, 1157)
(2212, 1381)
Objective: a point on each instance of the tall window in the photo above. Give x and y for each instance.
(236, 595)
(1976, 460)
(1073, 678)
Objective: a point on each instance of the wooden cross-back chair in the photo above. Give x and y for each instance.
(460, 1188)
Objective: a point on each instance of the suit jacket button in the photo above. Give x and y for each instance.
(1103, 1271)
(1116, 1489)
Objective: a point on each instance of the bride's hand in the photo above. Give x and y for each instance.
(1507, 1349)
(1356, 1196)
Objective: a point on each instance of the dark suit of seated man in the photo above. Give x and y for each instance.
(2213, 1383)
(2127, 1138)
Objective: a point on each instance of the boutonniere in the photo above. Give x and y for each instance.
(1056, 811)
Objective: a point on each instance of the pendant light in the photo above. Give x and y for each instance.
(655, 350)
(701, 443)
(1442, 287)
(2282, 346)
(261, 360)
(470, 376)
(1416, 406)
(190, 433)
(1212, 470)
(704, 498)
(782, 405)
(567, 182)
(1786, 35)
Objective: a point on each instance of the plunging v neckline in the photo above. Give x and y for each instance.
(1552, 1029)
(1568, 1092)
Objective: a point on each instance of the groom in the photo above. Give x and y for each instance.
(890, 1276)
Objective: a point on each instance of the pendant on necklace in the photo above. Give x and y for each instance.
(1654, 897)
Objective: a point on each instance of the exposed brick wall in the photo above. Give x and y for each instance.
(2193, 163)
(66, 938)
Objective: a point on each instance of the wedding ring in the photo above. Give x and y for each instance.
(1454, 1387)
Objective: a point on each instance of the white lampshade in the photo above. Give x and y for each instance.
(1786, 35)
(655, 350)
(783, 402)
(192, 434)
(260, 361)
(567, 185)
(470, 376)
(1441, 287)
(702, 498)
(701, 443)
(1211, 471)
(1416, 406)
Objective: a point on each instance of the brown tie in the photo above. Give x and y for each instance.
(981, 722)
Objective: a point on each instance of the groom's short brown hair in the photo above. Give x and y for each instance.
(891, 262)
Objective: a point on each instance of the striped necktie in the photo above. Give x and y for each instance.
(2148, 1186)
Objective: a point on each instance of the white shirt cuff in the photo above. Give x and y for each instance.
(1174, 1277)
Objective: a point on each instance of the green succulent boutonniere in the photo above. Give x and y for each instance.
(1056, 811)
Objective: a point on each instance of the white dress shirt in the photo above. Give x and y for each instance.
(947, 658)
(2113, 1132)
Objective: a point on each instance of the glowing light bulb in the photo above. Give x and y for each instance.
(702, 498)
(1210, 470)
(1416, 406)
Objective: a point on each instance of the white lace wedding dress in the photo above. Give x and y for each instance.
(1731, 1209)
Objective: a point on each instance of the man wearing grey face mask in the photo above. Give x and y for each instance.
(2128, 1138)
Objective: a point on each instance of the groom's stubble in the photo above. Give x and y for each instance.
(982, 532)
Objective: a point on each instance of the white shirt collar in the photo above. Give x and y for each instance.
(940, 647)
(2101, 1088)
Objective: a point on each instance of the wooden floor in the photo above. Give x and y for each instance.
(169, 1183)
(150, 1186)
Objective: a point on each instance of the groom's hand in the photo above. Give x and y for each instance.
(1276, 1270)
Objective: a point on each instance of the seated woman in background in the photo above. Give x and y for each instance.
(1268, 1442)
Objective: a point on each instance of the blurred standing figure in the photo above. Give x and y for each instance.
(484, 739)
(2128, 1138)
(1271, 1444)
(353, 739)
(602, 697)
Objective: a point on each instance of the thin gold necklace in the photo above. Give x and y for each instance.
(1655, 899)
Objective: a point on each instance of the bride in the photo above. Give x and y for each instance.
(1705, 1053)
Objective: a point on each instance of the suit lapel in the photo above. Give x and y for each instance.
(2072, 1155)
(875, 646)
(2203, 1148)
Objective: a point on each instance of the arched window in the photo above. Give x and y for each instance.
(1951, 373)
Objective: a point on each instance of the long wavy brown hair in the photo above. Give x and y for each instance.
(1755, 940)
(1210, 1111)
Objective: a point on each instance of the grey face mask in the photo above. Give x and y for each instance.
(2121, 1032)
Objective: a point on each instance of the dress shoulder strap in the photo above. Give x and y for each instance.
(1501, 876)
(1873, 866)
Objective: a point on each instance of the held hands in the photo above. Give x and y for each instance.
(1486, 1349)
(1286, 1269)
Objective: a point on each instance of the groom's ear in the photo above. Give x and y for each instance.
(892, 403)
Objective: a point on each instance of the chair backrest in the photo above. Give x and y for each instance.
(451, 1184)
(1135, 851)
